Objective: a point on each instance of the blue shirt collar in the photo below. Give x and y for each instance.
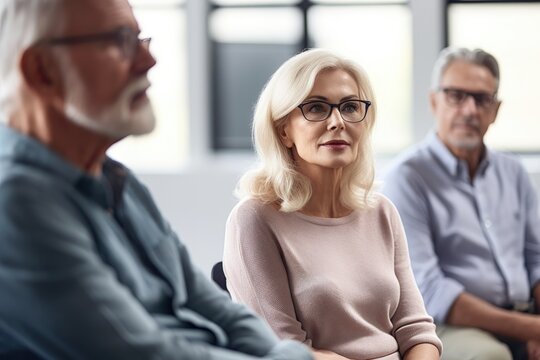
(451, 163)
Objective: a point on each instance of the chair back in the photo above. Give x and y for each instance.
(219, 276)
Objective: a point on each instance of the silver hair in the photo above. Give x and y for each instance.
(477, 56)
(22, 23)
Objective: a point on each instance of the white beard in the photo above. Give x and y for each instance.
(469, 143)
(116, 121)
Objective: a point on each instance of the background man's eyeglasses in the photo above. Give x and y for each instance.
(125, 38)
(350, 110)
(458, 96)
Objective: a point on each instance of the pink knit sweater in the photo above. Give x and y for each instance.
(338, 284)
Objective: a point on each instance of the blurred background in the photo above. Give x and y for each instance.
(214, 56)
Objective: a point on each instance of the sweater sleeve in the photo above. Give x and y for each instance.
(411, 323)
(256, 272)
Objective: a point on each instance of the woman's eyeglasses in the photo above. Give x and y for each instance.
(350, 110)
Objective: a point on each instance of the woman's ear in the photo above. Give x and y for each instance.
(283, 133)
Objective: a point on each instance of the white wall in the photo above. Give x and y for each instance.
(196, 203)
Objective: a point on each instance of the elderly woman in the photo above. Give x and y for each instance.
(310, 247)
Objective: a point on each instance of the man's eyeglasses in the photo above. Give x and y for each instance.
(458, 96)
(125, 38)
(350, 110)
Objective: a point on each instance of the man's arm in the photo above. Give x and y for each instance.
(62, 301)
(536, 296)
(532, 234)
(446, 299)
(469, 310)
(246, 332)
(407, 190)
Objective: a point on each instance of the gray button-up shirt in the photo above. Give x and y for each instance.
(482, 237)
(89, 269)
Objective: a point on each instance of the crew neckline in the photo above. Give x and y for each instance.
(326, 221)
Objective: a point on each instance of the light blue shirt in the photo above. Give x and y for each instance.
(481, 237)
(89, 269)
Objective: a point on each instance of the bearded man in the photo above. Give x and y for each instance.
(89, 269)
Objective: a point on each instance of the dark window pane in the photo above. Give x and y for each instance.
(240, 72)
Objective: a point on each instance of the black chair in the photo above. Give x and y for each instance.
(219, 276)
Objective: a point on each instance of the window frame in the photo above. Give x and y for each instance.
(303, 6)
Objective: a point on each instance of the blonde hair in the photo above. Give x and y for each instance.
(276, 179)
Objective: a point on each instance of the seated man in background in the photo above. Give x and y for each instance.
(89, 269)
(471, 219)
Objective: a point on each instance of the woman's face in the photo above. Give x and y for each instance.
(331, 143)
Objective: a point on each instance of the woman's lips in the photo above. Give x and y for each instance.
(336, 144)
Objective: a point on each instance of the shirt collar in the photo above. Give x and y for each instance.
(484, 161)
(451, 163)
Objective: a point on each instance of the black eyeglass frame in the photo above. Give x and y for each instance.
(367, 103)
(118, 36)
(478, 97)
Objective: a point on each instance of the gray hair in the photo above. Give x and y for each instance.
(22, 23)
(477, 56)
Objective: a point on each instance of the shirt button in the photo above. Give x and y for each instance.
(487, 223)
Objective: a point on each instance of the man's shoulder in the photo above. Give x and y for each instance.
(26, 177)
(35, 206)
(508, 168)
(505, 159)
(415, 160)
